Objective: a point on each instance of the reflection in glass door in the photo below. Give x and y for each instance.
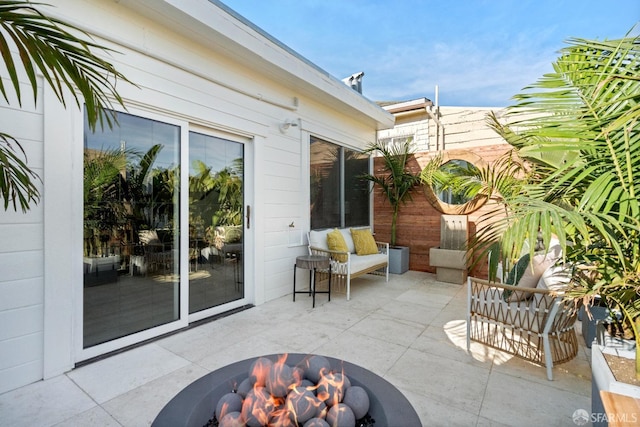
(130, 224)
(216, 200)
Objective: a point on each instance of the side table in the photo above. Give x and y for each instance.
(312, 263)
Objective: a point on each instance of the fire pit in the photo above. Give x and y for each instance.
(194, 405)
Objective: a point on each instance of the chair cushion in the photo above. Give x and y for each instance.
(336, 242)
(532, 273)
(555, 278)
(364, 242)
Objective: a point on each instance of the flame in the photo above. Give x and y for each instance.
(259, 371)
(280, 378)
(257, 407)
(302, 404)
(331, 388)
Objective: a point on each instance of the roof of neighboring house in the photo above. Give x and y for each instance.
(402, 106)
(213, 24)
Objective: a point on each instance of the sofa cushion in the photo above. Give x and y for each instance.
(362, 262)
(336, 242)
(348, 240)
(364, 242)
(318, 239)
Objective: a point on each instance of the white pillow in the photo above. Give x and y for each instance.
(538, 265)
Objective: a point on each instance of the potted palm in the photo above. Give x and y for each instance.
(576, 131)
(395, 181)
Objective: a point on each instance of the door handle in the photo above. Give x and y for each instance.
(248, 217)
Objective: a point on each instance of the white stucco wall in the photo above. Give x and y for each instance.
(196, 87)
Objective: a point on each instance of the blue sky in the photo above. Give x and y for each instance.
(479, 53)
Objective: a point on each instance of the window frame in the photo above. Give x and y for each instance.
(341, 183)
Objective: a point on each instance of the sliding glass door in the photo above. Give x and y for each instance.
(216, 237)
(131, 218)
(137, 257)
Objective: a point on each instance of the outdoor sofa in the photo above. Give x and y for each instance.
(347, 264)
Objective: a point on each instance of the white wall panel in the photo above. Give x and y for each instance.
(21, 293)
(22, 237)
(20, 361)
(21, 265)
(20, 322)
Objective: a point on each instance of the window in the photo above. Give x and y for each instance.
(396, 139)
(339, 197)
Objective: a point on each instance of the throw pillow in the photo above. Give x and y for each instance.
(364, 242)
(336, 242)
(515, 274)
(531, 276)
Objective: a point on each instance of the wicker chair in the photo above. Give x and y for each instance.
(538, 328)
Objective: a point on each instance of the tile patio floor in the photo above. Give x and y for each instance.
(411, 331)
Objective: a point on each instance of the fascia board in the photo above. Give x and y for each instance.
(213, 24)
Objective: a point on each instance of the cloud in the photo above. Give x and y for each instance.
(467, 74)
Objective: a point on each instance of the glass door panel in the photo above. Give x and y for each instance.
(131, 218)
(216, 213)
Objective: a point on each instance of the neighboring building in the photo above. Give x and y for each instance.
(435, 129)
(260, 135)
(458, 132)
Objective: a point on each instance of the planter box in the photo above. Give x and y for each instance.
(398, 259)
(602, 379)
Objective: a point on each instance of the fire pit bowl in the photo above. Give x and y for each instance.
(194, 405)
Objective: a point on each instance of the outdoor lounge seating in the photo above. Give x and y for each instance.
(347, 264)
(534, 324)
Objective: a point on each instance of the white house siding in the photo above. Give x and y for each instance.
(183, 76)
(21, 257)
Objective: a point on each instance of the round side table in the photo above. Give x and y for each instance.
(312, 263)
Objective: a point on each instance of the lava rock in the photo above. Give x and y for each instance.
(358, 400)
(230, 402)
(341, 415)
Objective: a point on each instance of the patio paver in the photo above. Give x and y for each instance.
(411, 331)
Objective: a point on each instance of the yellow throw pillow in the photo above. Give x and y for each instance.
(336, 242)
(364, 241)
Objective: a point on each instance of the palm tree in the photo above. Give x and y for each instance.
(396, 180)
(66, 61)
(577, 130)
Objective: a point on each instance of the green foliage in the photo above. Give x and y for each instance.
(577, 131)
(396, 180)
(16, 179)
(48, 46)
